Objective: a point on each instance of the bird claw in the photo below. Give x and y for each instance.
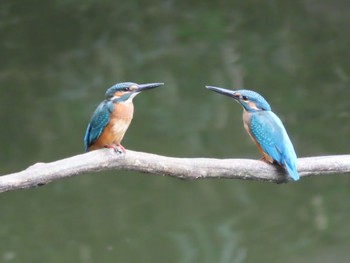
(121, 147)
(118, 148)
(264, 159)
(268, 160)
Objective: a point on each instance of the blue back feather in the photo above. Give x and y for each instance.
(270, 133)
(99, 121)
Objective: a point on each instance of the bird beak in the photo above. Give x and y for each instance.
(142, 87)
(226, 92)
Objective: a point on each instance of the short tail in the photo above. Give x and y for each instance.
(292, 170)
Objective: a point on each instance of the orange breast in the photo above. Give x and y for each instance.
(119, 122)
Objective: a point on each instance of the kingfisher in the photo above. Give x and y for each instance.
(113, 116)
(265, 129)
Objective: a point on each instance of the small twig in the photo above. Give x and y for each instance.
(183, 168)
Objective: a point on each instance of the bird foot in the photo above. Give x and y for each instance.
(121, 147)
(118, 148)
(268, 160)
(264, 159)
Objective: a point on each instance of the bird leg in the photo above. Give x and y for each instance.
(116, 147)
(121, 147)
(264, 159)
(267, 159)
(112, 146)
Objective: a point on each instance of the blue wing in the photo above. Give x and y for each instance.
(270, 133)
(99, 120)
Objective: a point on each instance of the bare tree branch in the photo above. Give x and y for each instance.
(183, 168)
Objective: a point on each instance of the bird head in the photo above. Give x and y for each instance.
(250, 100)
(126, 91)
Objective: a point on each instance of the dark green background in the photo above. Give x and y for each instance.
(59, 57)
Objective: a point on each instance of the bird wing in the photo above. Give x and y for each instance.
(271, 135)
(99, 121)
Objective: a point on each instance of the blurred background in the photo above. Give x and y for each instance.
(59, 57)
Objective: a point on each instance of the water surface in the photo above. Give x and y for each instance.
(59, 57)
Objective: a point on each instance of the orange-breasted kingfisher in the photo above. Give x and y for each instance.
(265, 129)
(113, 116)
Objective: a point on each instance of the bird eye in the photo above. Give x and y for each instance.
(244, 97)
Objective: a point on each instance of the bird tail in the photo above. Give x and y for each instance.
(292, 170)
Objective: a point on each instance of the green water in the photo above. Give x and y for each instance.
(59, 57)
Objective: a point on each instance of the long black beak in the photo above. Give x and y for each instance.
(142, 87)
(226, 92)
